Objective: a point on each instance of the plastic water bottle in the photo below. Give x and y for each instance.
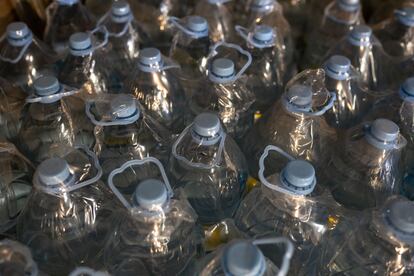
(66, 17)
(86, 66)
(353, 98)
(266, 74)
(339, 18)
(225, 91)
(396, 34)
(15, 178)
(158, 89)
(16, 259)
(291, 204)
(244, 257)
(87, 271)
(190, 48)
(126, 36)
(12, 100)
(381, 242)
(157, 233)
(23, 57)
(366, 166)
(209, 168)
(53, 115)
(124, 131)
(219, 18)
(67, 216)
(367, 56)
(300, 128)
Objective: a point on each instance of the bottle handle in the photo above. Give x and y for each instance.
(175, 21)
(22, 50)
(65, 91)
(262, 159)
(320, 112)
(244, 33)
(198, 165)
(116, 122)
(104, 30)
(119, 34)
(213, 52)
(132, 163)
(284, 269)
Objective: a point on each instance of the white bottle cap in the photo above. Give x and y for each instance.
(401, 216)
(197, 23)
(300, 95)
(384, 131)
(120, 11)
(407, 89)
(18, 34)
(151, 193)
(223, 67)
(67, 2)
(207, 125)
(349, 5)
(46, 85)
(80, 44)
(149, 56)
(338, 67)
(123, 106)
(263, 33)
(262, 2)
(360, 36)
(53, 171)
(406, 16)
(243, 259)
(299, 177)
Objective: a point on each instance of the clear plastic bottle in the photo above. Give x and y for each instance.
(381, 243)
(225, 91)
(125, 38)
(157, 233)
(209, 168)
(16, 259)
(53, 115)
(12, 100)
(367, 56)
(300, 128)
(397, 34)
(190, 48)
(245, 257)
(291, 204)
(64, 18)
(68, 214)
(219, 18)
(15, 178)
(365, 166)
(23, 57)
(353, 98)
(266, 74)
(155, 84)
(87, 68)
(123, 131)
(339, 18)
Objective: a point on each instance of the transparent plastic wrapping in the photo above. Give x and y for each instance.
(24, 61)
(300, 131)
(211, 173)
(219, 18)
(63, 20)
(336, 23)
(396, 35)
(53, 119)
(89, 69)
(16, 259)
(157, 235)
(15, 184)
(126, 37)
(268, 71)
(375, 244)
(158, 89)
(228, 96)
(224, 260)
(368, 59)
(12, 100)
(363, 170)
(303, 214)
(123, 131)
(67, 216)
(190, 49)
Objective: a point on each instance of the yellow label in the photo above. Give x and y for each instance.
(251, 183)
